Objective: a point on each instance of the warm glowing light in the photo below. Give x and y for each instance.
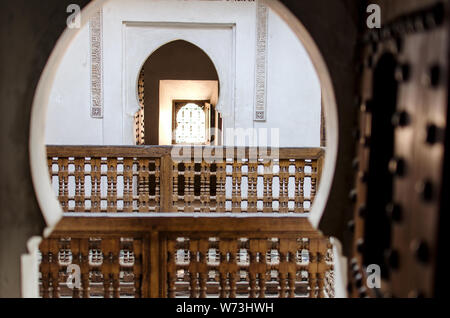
(191, 121)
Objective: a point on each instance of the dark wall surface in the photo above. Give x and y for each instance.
(29, 30)
(334, 25)
(392, 9)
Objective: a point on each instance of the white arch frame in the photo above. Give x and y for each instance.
(156, 50)
(51, 209)
(222, 98)
(135, 73)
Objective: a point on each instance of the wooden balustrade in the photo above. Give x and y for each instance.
(154, 256)
(146, 179)
(109, 267)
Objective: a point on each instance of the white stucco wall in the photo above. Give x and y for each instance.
(226, 31)
(68, 117)
(293, 94)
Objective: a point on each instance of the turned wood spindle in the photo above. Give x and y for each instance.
(220, 191)
(128, 185)
(143, 185)
(228, 268)
(112, 185)
(252, 187)
(79, 184)
(299, 186)
(63, 178)
(237, 183)
(96, 185)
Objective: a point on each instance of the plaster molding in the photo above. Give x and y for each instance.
(96, 45)
(262, 27)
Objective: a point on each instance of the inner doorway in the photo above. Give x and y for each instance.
(177, 74)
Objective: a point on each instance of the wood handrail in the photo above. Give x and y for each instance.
(161, 151)
(149, 179)
(88, 224)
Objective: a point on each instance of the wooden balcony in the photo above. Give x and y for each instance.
(154, 256)
(233, 235)
(147, 179)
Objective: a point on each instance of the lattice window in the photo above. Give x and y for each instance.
(190, 125)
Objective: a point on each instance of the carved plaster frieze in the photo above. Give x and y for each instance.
(262, 19)
(96, 45)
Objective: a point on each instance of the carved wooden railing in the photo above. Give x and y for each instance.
(233, 248)
(147, 179)
(154, 256)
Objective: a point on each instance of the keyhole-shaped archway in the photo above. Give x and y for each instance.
(178, 70)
